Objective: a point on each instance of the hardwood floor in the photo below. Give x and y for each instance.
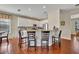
(67, 47)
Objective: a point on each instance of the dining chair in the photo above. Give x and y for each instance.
(57, 37)
(2, 36)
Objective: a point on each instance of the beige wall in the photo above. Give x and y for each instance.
(53, 18)
(69, 27)
(73, 26)
(14, 28)
(26, 22)
(66, 29)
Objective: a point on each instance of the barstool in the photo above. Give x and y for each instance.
(45, 38)
(31, 38)
(22, 38)
(57, 37)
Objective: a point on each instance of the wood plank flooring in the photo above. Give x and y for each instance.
(67, 47)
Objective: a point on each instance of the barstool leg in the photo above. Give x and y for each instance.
(0, 41)
(59, 44)
(48, 45)
(19, 45)
(35, 44)
(7, 40)
(28, 44)
(41, 44)
(54, 41)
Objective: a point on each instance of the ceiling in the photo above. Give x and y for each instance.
(33, 10)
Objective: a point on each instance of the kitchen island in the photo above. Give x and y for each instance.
(39, 35)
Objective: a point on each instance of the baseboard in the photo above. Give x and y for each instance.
(66, 38)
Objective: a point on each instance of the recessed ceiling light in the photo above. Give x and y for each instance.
(29, 9)
(18, 10)
(44, 6)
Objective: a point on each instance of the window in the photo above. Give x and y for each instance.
(5, 25)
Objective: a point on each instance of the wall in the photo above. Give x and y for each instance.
(66, 29)
(72, 26)
(71, 16)
(14, 27)
(53, 18)
(26, 22)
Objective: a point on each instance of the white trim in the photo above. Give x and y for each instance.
(66, 38)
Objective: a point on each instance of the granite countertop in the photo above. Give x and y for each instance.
(39, 30)
(31, 29)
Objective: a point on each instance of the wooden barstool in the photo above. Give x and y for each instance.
(31, 38)
(45, 38)
(57, 37)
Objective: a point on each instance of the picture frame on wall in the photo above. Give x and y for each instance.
(62, 23)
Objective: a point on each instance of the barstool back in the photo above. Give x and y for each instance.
(31, 38)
